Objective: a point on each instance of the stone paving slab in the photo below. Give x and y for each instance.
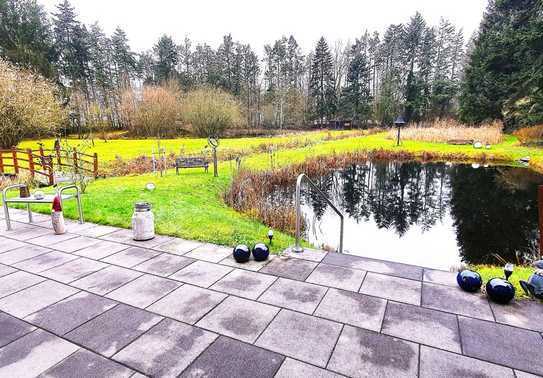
(422, 325)
(294, 295)
(295, 269)
(209, 252)
(525, 314)
(300, 336)
(87, 364)
(114, 329)
(252, 265)
(438, 363)
(45, 261)
(51, 239)
(455, 300)
(164, 265)
(16, 281)
(187, 303)
(9, 244)
(440, 277)
(12, 328)
(23, 253)
(74, 270)
(119, 235)
(522, 374)
(167, 349)
(27, 232)
(101, 249)
(70, 313)
(143, 291)
(231, 358)
(34, 298)
(96, 231)
(244, 284)
(309, 254)
(201, 273)
(514, 347)
(33, 354)
(361, 353)
(337, 276)
(72, 245)
(5, 270)
(106, 280)
(394, 288)
(131, 257)
(352, 308)
(293, 368)
(178, 246)
(239, 318)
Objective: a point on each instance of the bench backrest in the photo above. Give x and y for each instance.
(190, 162)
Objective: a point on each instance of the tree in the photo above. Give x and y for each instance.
(166, 59)
(322, 84)
(123, 59)
(28, 106)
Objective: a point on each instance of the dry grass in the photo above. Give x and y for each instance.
(530, 135)
(446, 130)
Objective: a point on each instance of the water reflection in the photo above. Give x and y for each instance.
(434, 215)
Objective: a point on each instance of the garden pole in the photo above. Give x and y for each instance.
(215, 171)
(1, 161)
(30, 163)
(15, 162)
(540, 206)
(95, 165)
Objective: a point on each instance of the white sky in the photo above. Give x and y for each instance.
(258, 22)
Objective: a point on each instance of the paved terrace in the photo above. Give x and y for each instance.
(95, 303)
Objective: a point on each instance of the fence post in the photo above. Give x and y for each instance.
(49, 165)
(95, 165)
(30, 162)
(15, 162)
(75, 161)
(57, 150)
(540, 206)
(1, 161)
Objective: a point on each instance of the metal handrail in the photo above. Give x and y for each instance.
(297, 247)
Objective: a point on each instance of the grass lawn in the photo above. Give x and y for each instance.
(488, 272)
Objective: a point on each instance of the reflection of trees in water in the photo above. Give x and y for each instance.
(493, 217)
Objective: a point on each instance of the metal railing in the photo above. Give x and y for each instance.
(297, 247)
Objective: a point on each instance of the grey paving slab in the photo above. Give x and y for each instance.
(252, 265)
(51, 239)
(9, 244)
(22, 232)
(131, 257)
(75, 244)
(152, 243)
(201, 273)
(293, 368)
(438, 363)
(114, 329)
(362, 353)
(164, 264)
(33, 354)
(455, 300)
(524, 314)
(378, 266)
(87, 364)
(143, 291)
(394, 288)
(422, 325)
(12, 328)
(310, 254)
(101, 249)
(34, 298)
(440, 277)
(231, 358)
(244, 283)
(210, 252)
(239, 318)
(178, 246)
(167, 349)
(300, 336)
(295, 295)
(514, 347)
(337, 276)
(97, 231)
(24, 253)
(295, 269)
(523, 374)
(187, 303)
(74, 270)
(16, 281)
(119, 235)
(74, 227)
(352, 308)
(5, 270)
(70, 313)
(45, 261)
(106, 280)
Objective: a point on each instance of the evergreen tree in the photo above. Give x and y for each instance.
(165, 59)
(123, 58)
(322, 84)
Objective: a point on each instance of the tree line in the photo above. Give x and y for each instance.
(419, 70)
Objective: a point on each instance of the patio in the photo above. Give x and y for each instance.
(95, 303)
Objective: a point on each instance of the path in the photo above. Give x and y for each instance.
(94, 302)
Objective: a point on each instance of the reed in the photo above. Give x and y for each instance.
(530, 135)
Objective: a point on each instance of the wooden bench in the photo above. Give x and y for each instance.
(190, 162)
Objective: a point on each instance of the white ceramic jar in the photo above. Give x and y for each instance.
(143, 222)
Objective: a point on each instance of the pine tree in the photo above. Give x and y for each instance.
(165, 59)
(123, 59)
(322, 84)
(412, 42)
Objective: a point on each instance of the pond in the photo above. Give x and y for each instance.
(436, 215)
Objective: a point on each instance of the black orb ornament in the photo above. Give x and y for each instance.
(469, 280)
(261, 252)
(242, 253)
(500, 290)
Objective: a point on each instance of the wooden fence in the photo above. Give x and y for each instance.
(43, 163)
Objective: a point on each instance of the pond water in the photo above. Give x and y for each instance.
(435, 214)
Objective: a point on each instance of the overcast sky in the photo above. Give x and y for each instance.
(258, 22)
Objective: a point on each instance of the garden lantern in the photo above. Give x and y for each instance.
(399, 123)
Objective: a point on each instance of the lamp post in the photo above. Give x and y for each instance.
(399, 123)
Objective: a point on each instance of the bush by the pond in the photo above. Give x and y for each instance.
(530, 135)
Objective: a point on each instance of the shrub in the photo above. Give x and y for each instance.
(530, 135)
(28, 106)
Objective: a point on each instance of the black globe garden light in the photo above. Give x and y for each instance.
(399, 123)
